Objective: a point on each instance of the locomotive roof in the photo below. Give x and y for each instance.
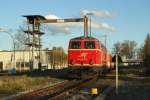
(83, 37)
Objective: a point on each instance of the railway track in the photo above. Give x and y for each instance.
(70, 89)
(54, 92)
(62, 90)
(74, 90)
(95, 82)
(37, 94)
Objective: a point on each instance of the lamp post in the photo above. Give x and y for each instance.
(7, 31)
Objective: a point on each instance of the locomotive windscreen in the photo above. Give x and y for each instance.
(89, 45)
(75, 45)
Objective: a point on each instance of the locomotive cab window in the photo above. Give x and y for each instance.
(89, 45)
(75, 45)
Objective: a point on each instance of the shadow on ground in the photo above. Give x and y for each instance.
(130, 92)
(56, 73)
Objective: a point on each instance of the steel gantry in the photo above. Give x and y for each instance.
(34, 22)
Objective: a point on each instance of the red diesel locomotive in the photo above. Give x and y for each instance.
(88, 53)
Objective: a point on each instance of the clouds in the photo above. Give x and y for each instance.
(56, 28)
(96, 13)
(103, 26)
(100, 26)
(51, 16)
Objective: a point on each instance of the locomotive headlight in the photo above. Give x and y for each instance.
(91, 62)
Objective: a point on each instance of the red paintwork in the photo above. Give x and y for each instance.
(82, 57)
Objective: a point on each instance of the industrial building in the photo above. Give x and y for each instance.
(50, 59)
(22, 59)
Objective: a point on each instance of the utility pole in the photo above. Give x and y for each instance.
(116, 73)
(105, 36)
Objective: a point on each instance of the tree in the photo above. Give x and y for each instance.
(58, 57)
(126, 48)
(116, 48)
(147, 50)
(20, 40)
(140, 52)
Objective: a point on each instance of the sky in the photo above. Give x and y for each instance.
(120, 20)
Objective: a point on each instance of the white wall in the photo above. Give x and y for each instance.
(7, 57)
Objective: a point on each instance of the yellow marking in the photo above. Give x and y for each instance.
(94, 91)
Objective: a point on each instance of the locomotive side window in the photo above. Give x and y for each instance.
(75, 45)
(89, 44)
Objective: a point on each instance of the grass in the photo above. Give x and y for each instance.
(15, 84)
